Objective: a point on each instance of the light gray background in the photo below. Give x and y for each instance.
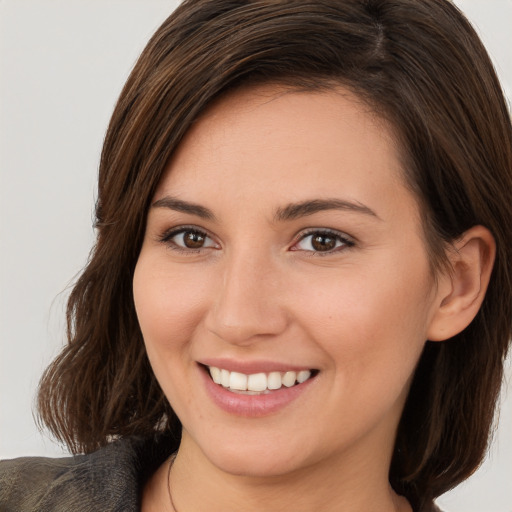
(62, 66)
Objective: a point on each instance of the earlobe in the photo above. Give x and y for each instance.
(462, 291)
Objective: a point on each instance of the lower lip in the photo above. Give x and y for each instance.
(253, 406)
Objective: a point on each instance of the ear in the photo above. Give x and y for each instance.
(460, 293)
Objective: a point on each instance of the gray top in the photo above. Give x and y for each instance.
(108, 480)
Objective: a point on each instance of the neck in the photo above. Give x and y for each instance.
(197, 484)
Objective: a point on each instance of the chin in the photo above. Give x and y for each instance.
(256, 459)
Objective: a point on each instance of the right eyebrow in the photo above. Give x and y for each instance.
(310, 207)
(173, 203)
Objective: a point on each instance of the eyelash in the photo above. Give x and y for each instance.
(167, 237)
(346, 242)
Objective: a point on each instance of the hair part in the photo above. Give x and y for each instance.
(420, 66)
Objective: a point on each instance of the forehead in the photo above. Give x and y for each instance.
(286, 145)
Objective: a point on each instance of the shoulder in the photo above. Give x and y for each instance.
(28, 483)
(109, 479)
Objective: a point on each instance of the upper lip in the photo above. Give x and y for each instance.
(251, 367)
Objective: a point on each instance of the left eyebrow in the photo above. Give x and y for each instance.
(304, 208)
(179, 205)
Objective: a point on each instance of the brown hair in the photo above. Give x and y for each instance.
(419, 64)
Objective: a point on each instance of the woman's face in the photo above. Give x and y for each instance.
(283, 239)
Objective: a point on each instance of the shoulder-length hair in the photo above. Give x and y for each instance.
(418, 64)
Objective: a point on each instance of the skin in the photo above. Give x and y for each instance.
(360, 313)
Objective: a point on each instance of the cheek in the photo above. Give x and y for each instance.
(370, 322)
(168, 305)
(169, 308)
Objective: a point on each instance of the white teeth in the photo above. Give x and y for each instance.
(215, 373)
(257, 382)
(274, 380)
(224, 378)
(238, 381)
(303, 376)
(289, 379)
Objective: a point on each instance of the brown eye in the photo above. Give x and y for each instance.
(193, 239)
(184, 239)
(323, 242)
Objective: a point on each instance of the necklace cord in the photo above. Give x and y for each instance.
(171, 462)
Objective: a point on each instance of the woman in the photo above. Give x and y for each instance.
(293, 198)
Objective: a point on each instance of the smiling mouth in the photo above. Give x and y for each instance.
(258, 383)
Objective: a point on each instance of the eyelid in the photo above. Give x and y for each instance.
(167, 235)
(347, 240)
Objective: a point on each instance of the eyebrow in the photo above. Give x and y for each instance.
(289, 212)
(179, 205)
(305, 208)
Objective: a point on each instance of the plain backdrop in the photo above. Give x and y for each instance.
(62, 66)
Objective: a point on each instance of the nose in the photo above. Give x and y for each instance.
(249, 304)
